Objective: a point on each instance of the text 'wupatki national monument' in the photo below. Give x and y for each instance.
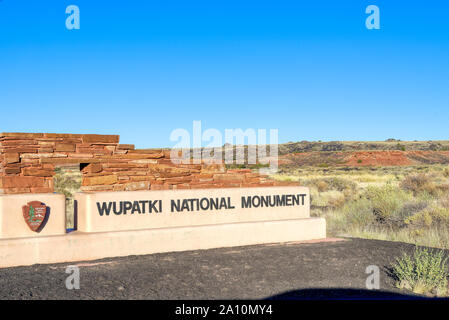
(135, 202)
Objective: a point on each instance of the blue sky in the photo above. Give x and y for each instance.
(144, 68)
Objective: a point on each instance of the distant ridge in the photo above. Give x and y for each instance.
(390, 144)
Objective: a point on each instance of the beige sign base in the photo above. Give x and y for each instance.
(79, 246)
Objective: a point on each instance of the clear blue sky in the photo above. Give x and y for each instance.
(308, 68)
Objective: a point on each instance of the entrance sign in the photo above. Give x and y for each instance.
(118, 211)
(117, 224)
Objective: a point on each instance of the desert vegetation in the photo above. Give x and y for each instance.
(424, 272)
(67, 181)
(408, 204)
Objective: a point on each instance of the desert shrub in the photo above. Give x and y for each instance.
(387, 202)
(337, 202)
(331, 183)
(328, 199)
(323, 165)
(66, 183)
(357, 214)
(446, 172)
(419, 183)
(408, 209)
(411, 207)
(443, 188)
(322, 186)
(428, 217)
(444, 202)
(424, 272)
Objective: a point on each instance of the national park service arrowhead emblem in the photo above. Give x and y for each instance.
(35, 213)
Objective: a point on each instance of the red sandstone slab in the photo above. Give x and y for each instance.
(65, 147)
(148, 151)
(96, 188)
(94, 151)
(42, 190)
(125, 147)
(178, 180)
(38, 172)
(62, 135)
(80, 155)
(69, 161)
(11, 158)
(21, 182)
(21, 135)
(100, 180)
(19, 150)
(12, 170)
(134, 156)
(16, 190)
(93, 168)
(43, 155)
(96, 138)
(9, 143)
(228, 177)
(125, 165)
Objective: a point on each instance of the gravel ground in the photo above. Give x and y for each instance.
(274, 271)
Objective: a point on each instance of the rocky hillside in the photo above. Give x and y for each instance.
(390, 144)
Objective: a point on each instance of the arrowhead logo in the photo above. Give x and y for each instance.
(35, 214)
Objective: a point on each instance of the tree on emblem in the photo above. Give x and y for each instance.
(35, 214)
(31, 214)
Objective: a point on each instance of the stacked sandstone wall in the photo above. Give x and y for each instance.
(28, 162)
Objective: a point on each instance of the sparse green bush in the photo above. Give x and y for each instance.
(425, 272)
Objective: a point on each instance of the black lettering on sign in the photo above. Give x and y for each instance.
(272, 201)
(124, 207)
(127, 206)
(143, 202)
(203, 204)
(199, 204)
(136, 207)
(104, 208)
(115, 208)
(152, 206)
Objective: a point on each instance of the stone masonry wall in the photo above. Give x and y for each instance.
(28, 162)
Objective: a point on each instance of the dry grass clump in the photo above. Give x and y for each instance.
(330, 183)
(424, 183)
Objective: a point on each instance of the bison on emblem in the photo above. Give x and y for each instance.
(35, 214)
